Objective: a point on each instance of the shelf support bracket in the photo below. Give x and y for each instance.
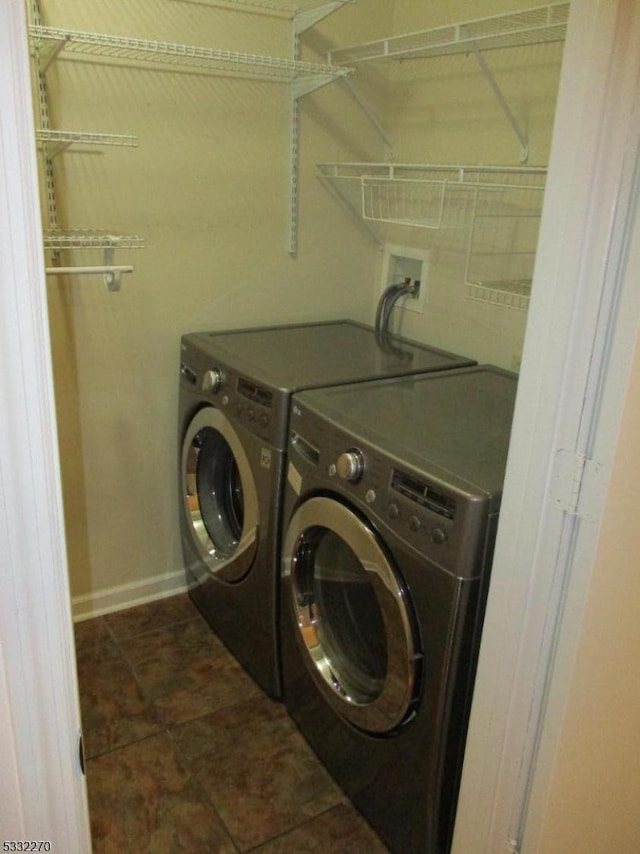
(306, 85)
(302, 21)
(50, 54)
(112, 278)
(502, 101)
(53, 149)
(305, 20)
(368, 111)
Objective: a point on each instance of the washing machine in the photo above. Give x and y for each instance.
(235, 390)
(391, 505)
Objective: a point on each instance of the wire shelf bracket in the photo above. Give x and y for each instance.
(302, 22)
(502, 101)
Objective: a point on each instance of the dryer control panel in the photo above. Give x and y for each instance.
(263, 411)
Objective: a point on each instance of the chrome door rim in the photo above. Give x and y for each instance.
(390, 707)
(227, 567)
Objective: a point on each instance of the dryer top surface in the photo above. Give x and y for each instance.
(455, 425)
(319, 354)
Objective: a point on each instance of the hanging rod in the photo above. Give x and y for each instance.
(90, 270)
(110, 272)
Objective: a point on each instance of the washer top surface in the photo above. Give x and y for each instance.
(317, 354)
(454, 425)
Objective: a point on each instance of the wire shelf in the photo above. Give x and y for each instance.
(541, 24)
(497, 208)
(52, 42)
(515, 295)
(89, 239)
(439, 196)
(55, 141)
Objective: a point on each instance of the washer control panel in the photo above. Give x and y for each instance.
(416, 506)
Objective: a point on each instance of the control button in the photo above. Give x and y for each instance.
(438, 536)
(350, 465)
(264, 420)
(414, 523)
(211, 381)
(370, 496)
(250, 413)
(394, 511)
(225, 399)
(331, 471)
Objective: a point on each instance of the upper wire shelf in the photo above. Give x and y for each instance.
(538, 25)
(52, 42)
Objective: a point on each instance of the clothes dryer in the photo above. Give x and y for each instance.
(391, 506)
(235, 390)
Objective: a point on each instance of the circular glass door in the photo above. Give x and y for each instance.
(219, 495)
(352, 614)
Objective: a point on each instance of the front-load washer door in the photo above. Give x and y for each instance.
(219, 495)
(352, 615)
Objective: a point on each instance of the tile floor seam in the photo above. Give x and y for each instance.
(93, 757)
(209, 800)
(261, 812)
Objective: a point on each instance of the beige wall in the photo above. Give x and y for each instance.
(208, 190)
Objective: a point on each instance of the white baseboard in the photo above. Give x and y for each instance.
(118, 598)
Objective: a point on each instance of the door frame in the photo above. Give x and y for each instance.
(43, 793)
(573, 365)
(582, 327)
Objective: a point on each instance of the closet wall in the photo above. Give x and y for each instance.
(208, 188)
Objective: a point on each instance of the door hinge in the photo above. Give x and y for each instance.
(81, 753)
(577, 484)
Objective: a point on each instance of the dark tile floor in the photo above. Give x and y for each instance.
(186, 754)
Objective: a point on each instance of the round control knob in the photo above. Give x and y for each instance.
(350, 465)
(438, 536)
(212, 380)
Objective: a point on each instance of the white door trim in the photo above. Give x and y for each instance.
(43, 788)
(576, 359)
